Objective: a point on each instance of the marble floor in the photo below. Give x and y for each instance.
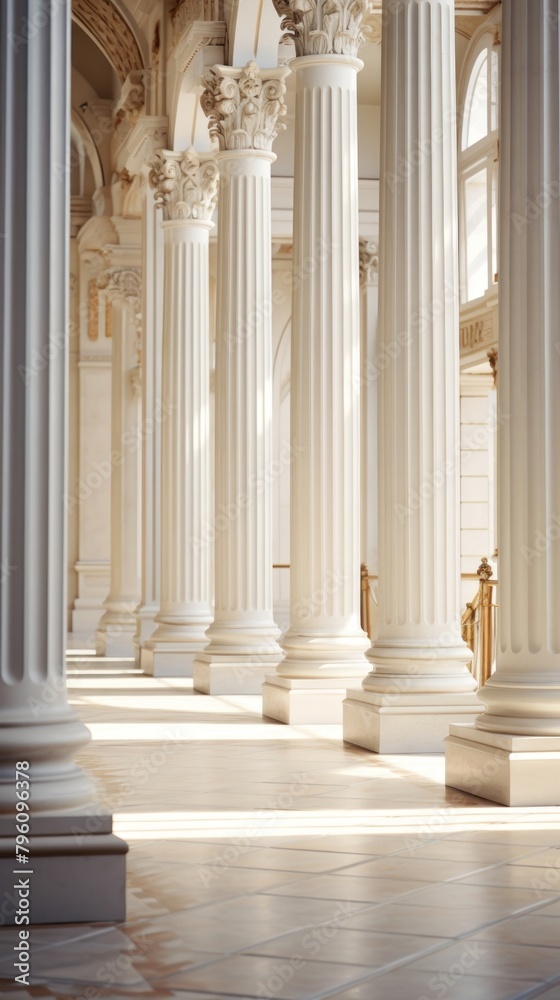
(274, 861)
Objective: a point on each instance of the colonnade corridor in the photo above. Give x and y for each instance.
(269, 860)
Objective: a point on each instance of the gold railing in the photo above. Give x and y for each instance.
(368, 603)
(478, 625)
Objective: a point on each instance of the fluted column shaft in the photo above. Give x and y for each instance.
(325, 638)
(523, 697)
(36, 723)
(418, 322)
(512, 754)
(243, 637)
(117, 626)
(419, 659)
(153, 416)
(243, 624)
(369, 304)
(186, 188)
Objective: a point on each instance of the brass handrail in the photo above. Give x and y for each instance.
(477, 625)
(368, 603)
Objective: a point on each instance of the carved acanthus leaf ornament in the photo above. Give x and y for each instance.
(243, 107)
(326, 27)
(186, 186)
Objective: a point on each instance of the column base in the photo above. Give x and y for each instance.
(510, 770)
(85, 620)
(75, 876)
(389, 723)
(159, 660)
(113, 643)
(229, 675)
(306, 701)
(145, 628)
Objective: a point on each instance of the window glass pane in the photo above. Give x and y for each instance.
(476, 105)
(494, 221)
(494, 91)
(476, 234)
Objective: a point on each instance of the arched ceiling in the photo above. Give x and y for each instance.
(101, 20)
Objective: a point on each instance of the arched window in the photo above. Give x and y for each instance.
(478, 170)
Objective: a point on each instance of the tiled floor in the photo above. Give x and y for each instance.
(269, 861)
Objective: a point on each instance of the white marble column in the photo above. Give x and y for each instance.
(512, 754)
(186, 187)
(243, 106)
(369, 294)
(420, 680)
(325, 644)
(39, 732)
(117, 626)
(153, 416)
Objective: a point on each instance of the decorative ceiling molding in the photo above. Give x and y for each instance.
(101, 20)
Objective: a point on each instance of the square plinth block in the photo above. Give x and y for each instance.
(511, 770)
(403, 723)
(303, 702)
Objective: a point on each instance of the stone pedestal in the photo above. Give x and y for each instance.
(39, 732)
(420, 676)
(243, 106)
(512, 754)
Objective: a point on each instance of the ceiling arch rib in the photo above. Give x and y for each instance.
(101, 20)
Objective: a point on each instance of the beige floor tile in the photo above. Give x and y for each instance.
(299, 861)
(429, 920)
(534, 929)
(366, 890)
(457, 850)
(287, 979)
(413, 984)
(550, 994)
(341, 944)
(542, 880)
(413, 868)
(544, 859)
(483, 957)
(486, 897)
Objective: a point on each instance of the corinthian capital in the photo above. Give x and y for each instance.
(243, 106)
(186, 186)
(369, 262)
(325, 27)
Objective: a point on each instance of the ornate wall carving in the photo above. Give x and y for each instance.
(101, 20)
